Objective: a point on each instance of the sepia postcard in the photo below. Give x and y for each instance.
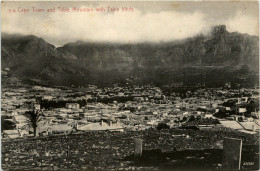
(130, 85)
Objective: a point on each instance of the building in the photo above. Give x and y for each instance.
(60, 129)
(72, 105)
(241, 110)
(11, 134)
(47, 98)
(103, 126)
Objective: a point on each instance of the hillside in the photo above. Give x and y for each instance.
(212, 60)
(31, 57)
(202, 150)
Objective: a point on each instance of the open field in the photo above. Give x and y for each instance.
(114, 151)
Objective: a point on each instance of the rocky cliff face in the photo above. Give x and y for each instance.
(213, 60)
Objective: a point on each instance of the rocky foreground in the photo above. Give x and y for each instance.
(168, 149)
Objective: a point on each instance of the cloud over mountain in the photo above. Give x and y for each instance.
(213, 60)
(144, 24)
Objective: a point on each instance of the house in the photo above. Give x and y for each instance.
(23, 132)
(241, 110)
(64, 110)
(47, 98)
(120, 94)
(244, 99)
(255, 114)
(11, 134)
(72, 106)
(208, 115)
(60, 129)
(152, 123)
(103, 126)
(228, 109)
(20, 120)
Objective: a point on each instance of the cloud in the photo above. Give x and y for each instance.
(243, 23)
(123, 27)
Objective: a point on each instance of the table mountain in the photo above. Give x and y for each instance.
(211, 59)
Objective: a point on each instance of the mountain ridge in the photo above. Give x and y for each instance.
(193, 60)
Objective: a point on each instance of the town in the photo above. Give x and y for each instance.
(130, 108)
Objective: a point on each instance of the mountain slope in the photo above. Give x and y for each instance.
(31, 57)
(214, 59)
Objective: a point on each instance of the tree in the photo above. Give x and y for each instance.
(251, 107)
(162, 125)
(7, 125)
(34, 117)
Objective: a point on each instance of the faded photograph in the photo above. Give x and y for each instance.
(128, 85)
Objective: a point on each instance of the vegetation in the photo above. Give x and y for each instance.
(162, 125)
(47, 104)
(112, 150)
(7, 124)
(34, 117)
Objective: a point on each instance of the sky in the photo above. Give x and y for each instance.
(149, 21)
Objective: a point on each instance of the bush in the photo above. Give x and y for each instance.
(162, 125)
(7, 125)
